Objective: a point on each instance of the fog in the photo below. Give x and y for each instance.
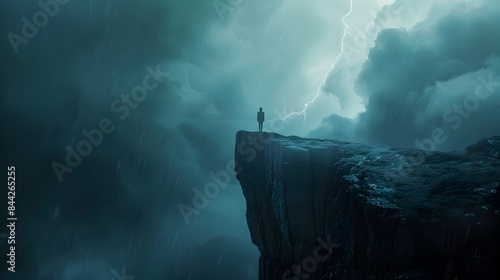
(206, 69)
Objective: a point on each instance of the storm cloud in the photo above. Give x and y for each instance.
(119, 207)
(439, 78)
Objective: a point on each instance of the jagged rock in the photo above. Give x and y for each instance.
(486, 147)
(327, 209)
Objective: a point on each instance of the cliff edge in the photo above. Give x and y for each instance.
(327, 209)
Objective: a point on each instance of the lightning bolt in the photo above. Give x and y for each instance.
(346, 31)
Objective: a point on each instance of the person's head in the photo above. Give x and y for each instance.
(260, 109)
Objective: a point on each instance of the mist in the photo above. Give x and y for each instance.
(116, 113)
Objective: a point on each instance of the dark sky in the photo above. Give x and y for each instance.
(440, 76)
(395, 80)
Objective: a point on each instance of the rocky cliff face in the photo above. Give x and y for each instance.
(326, 209)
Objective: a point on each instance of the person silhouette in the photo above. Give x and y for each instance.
(260, 119)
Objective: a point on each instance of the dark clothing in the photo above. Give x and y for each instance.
(260, 119)
(260, 116)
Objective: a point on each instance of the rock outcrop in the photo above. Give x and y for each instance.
(327, 209)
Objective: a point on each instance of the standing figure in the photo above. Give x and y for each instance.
(260, 119)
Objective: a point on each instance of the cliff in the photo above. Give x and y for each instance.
(326, 209)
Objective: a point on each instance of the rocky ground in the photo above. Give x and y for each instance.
(326, 209)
